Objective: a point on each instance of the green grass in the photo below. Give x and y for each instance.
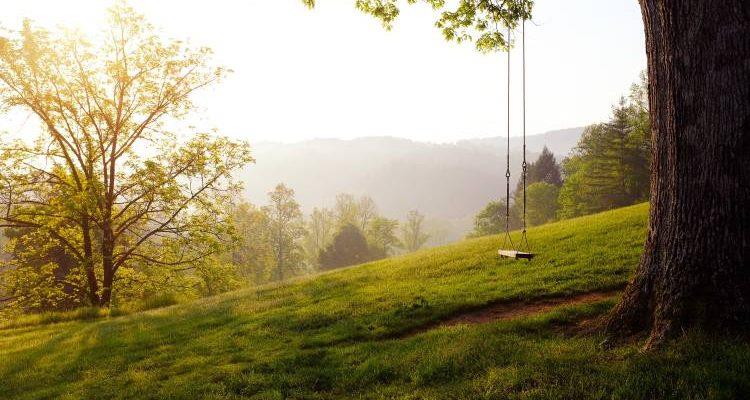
(90, 313)
(338, 335)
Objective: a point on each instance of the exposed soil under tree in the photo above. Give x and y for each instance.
(517, 309)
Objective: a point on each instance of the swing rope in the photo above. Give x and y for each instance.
(524, 241)
(524, 166)
(507, 160)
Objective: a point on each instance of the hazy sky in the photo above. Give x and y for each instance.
(332, 72)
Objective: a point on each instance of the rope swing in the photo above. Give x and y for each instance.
(523, 250)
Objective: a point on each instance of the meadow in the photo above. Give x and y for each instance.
(372, 331)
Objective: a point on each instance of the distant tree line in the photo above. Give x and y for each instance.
(609, 168)
(258, 245)
(277, 242)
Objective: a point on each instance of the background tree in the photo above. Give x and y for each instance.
(321, 228)
(357, 212)
(541, 203)
(286, 229)
(381, 237)
(543, 180)
(217, 275)
(491, 220)
(367, 211)
(252, 253)
(544, 169)
(571, 200)
(638, 145)
(413, 235)
(346, 210)
(362, 213)
(602, 169)
(105, 180)
(349, 247)
(631, 155)
(609, 168)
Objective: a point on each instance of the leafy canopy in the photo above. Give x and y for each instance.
(287, 228)
(349, 247)
(483, 22)
(610, 167)
(106, 180)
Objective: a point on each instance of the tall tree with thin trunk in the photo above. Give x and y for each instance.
(381, 237)
(346, 210)
(252, 251)
(106, 180)
(349, 210)
(413, 235)
(287, 228)
(321, 228)
(695, 268)
(367, 211)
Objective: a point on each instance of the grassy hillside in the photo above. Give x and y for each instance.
(348, 334)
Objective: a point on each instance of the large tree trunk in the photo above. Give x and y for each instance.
(695, 271)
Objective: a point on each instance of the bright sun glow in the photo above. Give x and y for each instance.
(333, 72)
(82, 14)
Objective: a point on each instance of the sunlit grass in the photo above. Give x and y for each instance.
(91, 313)
(337, 335)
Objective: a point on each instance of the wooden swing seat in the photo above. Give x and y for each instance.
(515, 254)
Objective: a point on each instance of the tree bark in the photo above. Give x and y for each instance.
(695, 270)
(108, 265)
(107, 281)
(88, 251)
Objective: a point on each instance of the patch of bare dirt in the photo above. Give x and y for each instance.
(505, 311)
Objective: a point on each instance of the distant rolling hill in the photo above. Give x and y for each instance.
(443, 181)
(561, 142)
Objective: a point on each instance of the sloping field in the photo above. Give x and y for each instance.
(374, 331)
